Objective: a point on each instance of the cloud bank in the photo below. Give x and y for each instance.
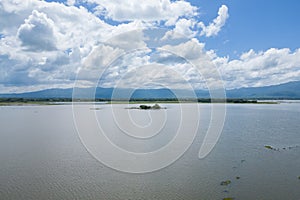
(46, 44)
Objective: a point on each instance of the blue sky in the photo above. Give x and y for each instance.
(47, 44)
(255, 24)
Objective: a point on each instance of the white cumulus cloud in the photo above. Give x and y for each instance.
(214, 27)
(37, 33)
(254, 69)
(182, 29)
(146, 10)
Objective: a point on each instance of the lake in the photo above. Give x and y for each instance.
(42, 156)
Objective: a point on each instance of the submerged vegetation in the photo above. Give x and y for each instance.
(283, 148)
(269, 147)
(225, 183)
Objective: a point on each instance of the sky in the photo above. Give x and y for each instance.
(148, 44)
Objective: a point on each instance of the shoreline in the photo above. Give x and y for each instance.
(43, 102)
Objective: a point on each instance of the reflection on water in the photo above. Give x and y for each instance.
(41, 157)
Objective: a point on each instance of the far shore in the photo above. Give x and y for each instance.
(65, 101)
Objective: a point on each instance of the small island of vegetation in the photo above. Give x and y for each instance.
(146, 107)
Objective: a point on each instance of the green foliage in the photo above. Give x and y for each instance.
(145, 107)
(225, 183)
(269, 147)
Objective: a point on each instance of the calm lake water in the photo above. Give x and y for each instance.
(42, 157)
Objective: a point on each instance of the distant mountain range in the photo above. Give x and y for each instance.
(289, 90)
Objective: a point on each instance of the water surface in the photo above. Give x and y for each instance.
(42, 157)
